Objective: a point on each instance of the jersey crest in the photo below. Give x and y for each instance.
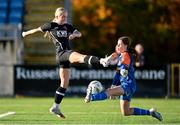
(62, 33)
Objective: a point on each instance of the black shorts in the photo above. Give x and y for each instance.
(62, 58)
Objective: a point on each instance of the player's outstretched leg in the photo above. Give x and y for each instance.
(56, 111)
(155, 114)
(95, 97)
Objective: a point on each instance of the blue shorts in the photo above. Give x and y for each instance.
(127, 86)
(128, 92)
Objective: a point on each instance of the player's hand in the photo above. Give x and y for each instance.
(72, 36)
(23, 34)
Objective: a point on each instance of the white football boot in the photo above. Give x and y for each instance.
(56, 111)
(106, 61)
(87, 99)
(155, 114)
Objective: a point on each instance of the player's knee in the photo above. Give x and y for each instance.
(76, 57)
(125, 113)
(108, 89)
(108, 93)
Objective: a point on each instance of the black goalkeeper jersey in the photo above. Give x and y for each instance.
(60, 34)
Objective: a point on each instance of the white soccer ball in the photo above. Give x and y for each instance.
(96, 86)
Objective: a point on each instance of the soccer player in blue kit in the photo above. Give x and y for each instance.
(124, 82)
(60, 32)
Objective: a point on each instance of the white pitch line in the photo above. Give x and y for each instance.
(7, 114)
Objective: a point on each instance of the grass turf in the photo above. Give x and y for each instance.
(36, 111)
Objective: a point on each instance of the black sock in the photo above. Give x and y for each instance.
(92, 60)
(60, 93)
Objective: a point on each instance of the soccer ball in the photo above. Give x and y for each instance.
(96, 86)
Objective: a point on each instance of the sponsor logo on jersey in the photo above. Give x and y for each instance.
(62, 33)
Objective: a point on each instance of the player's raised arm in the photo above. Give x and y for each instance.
(76, 33)
(25, 33)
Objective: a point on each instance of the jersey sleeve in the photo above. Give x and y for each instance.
(71, 28)
(46, 27)
(125, 59)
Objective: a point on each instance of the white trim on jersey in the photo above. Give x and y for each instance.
(57, 40)
(76, 31)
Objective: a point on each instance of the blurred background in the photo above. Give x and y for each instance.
(28, 64)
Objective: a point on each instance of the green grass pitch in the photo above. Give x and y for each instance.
(36, 111)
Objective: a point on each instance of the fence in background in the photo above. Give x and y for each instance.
(11, 53)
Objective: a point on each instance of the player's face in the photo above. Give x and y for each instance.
(120, 47)
(62, 17)
(139, 49)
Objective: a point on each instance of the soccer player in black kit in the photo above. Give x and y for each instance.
(60, 32)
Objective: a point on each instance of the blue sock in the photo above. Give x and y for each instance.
(99, 96)
(138, 111)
